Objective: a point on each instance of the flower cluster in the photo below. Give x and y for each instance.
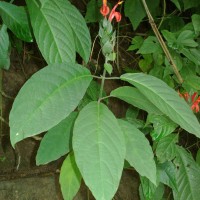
(105, 10)
(193, 100)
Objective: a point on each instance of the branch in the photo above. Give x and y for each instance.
(162, 43)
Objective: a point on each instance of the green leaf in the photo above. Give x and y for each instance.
(166, 148)
(134, 10)
(92, 14)
(111, 57)
(191, 54)
(166, 100)
(149, 191)
(163, 126)
(192, 81)
(145, 64)
(167, 174)
(138, 151)
(186, 38)
(136, 43)
(134, 97)
(187, 176)
(57, 141)
(176, 2)
(52, 31)
(132, 112)
(79, 28)
(171, 39)
(190, 4)
(196, 23)
(4, 48)
(70, 178)
(108, 67)
(47, 97)
(99, 149)
(107, 48)
(16, 19)
(150, 45)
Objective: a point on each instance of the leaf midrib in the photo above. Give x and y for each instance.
(70, 25)
(50, 29)
(162, 100)
(11, 16)
(187, 176)
(49, 96)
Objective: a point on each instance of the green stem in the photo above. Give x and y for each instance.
(101, 99)
(164, 13)
(106, 78)
(102, 84)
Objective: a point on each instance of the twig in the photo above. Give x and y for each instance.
(164, 13)
(3, 120)
(6, 96)
(162, 43)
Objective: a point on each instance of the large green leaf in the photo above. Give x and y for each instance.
(134, 10)
(60, 30)
(99, 149)
(134, 97)
(16, 19)
(166, 148)
(57, 141)
(48, 97)
(166, 99)
(52, 31)
(138, 151)
(190, 3)
(79, 28)
(187, 176)
(70, 178)
(4, 48)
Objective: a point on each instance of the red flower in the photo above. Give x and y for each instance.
(193, 100)
(195, 103)
(104, 9)
(115, 14)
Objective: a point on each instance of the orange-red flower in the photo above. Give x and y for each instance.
(113, 14)
(104, 9)
(194, 100)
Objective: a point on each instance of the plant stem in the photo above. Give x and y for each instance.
(164, 13)
(106, 78)
(4, 121)
(102, 84)
(162, 43)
